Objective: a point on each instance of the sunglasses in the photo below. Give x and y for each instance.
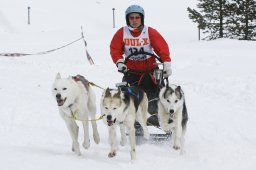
(134, 17)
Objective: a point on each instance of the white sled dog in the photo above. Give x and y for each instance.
(76, 99)
(172, 113)
(123, 108)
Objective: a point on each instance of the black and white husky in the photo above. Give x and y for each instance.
(172, 113)
(122, 108)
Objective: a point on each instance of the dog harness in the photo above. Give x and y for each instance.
(134, 92)
(85, 82)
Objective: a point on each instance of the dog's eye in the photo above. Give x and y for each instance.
(64, 88)
(176, 101)
(55, 89)
(168, 100)
(106, 108)
(114, 108)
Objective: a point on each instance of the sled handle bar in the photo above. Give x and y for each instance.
(141, 52)
(147, 53)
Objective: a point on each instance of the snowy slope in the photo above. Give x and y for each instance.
(218, 77)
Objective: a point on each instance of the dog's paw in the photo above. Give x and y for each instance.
(133, 154)
(86, 144)
(168, 131)
(96, 138)
(112, 154)
(78, 153)
(76, 150)
(176, 144)
(176, 147)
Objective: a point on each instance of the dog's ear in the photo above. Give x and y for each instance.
(57, 76)
(178, 92)
(107, 93)
(118, 93)
(178, 88)
(168, 91)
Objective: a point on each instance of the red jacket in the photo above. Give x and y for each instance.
(157, 42)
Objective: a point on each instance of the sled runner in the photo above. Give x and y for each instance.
(151, 81)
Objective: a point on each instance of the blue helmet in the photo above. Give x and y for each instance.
(134, 9)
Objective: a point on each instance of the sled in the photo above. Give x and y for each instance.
(157, 134)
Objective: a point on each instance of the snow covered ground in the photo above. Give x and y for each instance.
(218, 77)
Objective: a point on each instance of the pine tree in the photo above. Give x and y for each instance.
(213, 14)
(197, 18)
(242, 21)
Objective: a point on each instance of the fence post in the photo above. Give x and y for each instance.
(113, 17)
(28, 15)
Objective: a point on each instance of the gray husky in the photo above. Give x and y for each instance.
(172, 113)
(122, 109)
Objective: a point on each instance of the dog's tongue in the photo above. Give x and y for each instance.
(110, 122)
(60, 102)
